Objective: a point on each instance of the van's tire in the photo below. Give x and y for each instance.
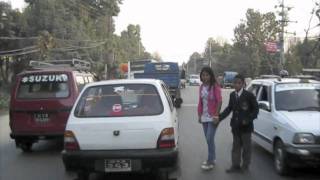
(280, 159)
(69, 168)
(26, 146)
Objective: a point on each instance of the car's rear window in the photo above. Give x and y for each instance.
(194, 76)
(43, 86)
(119, 100)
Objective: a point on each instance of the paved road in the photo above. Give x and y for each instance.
(45, 162)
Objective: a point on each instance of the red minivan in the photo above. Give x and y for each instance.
(41, 101)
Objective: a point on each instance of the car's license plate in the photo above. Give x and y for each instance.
(117, 165)
(41, 117)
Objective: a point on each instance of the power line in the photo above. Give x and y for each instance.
(74, 48)
(18, 38)
(21, 53)
(72, 40)
(15, 50)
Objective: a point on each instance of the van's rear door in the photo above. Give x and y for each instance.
(40, 104)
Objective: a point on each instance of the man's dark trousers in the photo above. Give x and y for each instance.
(241, 147)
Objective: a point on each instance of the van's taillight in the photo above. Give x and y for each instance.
(70, 141)
(166, 139)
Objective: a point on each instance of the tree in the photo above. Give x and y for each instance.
(10, 28)
(250, 36)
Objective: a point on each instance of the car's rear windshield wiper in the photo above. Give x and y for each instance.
(309, 108)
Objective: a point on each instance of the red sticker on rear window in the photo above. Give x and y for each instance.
(116, 108)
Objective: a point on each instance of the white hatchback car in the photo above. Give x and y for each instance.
(288, 124)
(194, 79)
(122, 126)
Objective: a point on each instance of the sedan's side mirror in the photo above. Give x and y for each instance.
(264, 105)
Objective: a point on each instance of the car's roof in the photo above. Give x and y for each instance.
(126, 81)
(284, 80)
(50, 70)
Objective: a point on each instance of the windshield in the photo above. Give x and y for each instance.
(43, 86)
(298, 100)
(194, 77)
(119, 100)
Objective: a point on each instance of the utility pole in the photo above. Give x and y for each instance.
(282, 58)
(283, 22)
(139, 48)
(210, 59)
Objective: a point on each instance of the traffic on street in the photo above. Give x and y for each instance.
(159, 90)
(45, 160)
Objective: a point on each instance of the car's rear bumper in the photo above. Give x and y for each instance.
(94, 161)
(36, 136)
(304, 155)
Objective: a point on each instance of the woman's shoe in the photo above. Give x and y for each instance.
(207, 166)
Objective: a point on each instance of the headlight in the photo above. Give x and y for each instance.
(303, 138)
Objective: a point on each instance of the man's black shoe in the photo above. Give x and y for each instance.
(233, 169)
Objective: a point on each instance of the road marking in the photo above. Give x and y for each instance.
(189, 105)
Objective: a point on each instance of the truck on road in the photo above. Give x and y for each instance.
(168, 72)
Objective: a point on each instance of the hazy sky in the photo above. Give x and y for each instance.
(177, 28)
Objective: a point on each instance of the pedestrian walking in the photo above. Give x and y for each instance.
(208, 109)
(244, 108)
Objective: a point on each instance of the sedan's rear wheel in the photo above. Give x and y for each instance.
(83, 176)
(25, 146)
(162, 175)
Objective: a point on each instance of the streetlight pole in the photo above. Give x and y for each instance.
(282, 57)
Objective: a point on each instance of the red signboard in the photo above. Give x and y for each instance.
(271, 47)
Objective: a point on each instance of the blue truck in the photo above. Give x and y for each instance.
(169, 73)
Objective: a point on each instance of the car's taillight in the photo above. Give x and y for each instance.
(166, 139)
(70, 141)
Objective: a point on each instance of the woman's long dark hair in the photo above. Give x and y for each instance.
(208, 70)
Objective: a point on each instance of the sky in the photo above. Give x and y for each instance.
(177, 28)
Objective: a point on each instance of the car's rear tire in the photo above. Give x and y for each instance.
(69, 168)
(26, 146)
(83, 176)
(280, 159)
(162, 175)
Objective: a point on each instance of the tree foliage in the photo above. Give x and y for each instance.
(247, 54)
(59, 29)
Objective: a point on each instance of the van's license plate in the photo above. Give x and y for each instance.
(41, 117)
(117, 165)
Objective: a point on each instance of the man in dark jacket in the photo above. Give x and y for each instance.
(244, 108)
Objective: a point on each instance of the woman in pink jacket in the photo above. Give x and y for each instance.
(208, 109)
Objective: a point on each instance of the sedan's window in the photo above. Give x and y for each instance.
(194, 77)
(254, 89)
(298, 100)
(119, 100)
(264, 95)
